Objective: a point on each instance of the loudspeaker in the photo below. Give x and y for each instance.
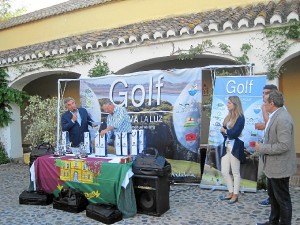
(151, 194)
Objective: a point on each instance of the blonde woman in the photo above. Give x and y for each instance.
(233, 148)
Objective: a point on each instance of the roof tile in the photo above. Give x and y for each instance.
(214, 20)
(61, 8)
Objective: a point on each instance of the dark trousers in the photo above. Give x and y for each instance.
(280, 199)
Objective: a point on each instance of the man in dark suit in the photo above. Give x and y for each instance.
(75, 121)
(279, 159)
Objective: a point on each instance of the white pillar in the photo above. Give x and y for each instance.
(10, 136)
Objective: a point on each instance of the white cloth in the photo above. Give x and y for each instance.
(129, 174)
(32, 176)
(229, 161)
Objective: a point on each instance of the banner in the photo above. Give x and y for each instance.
(165, 104)
(249, 89)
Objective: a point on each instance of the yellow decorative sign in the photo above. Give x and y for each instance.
(93, 194)
(76, 171)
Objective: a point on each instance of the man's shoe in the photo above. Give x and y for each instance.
(265, 202)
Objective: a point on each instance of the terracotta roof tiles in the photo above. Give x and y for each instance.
(58, 9)
(203, 22)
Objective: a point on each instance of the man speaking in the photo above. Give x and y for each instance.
(75, 121)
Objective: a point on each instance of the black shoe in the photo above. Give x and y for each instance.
(266, 223)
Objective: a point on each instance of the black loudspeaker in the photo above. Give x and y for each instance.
(152, 194)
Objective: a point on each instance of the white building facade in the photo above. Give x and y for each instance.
(156, 48)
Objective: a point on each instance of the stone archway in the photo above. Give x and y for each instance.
(43, 84)
(46, 87)
(289, 83)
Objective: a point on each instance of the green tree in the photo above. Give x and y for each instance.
(7, 96)
(41, 120)
(6, 11)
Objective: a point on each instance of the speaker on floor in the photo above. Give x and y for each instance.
(152, 194)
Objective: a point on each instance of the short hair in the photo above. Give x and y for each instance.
(106, 101)
(270, 87)
(276, 97)
(66, 100)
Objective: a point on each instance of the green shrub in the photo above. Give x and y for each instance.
(8, 95)
(40, 120)
(3, 155)
(100, 69)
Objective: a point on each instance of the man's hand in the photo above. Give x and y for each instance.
(74, 118)
(259, 126)
(256, 147)
(103, 132)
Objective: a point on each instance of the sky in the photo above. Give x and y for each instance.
(33, 5)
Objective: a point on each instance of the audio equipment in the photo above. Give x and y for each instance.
(152, 194)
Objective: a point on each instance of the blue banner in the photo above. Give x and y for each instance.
(249, 89)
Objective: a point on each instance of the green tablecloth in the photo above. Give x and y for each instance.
(100, 181)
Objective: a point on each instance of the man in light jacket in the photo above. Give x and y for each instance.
(279, 158)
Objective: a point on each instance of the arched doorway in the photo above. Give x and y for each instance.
(289, 84)
(46, 87)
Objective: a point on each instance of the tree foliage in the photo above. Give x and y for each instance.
(100, 69)
(7, 96)
(41, 120)
(6, 11)
(3, 155)
(279, 41)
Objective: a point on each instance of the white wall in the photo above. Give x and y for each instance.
(122, 56)
(11, 135)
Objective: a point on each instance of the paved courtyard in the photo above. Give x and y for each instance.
(189, 204)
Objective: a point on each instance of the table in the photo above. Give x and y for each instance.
(99, 180)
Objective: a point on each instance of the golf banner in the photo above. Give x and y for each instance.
(164, 106)
(249, 90)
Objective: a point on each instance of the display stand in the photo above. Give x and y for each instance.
(217, 183)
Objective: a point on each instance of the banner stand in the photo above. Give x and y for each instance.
(249, 90)
(213, 69)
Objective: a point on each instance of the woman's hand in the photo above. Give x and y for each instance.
(223, 130)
